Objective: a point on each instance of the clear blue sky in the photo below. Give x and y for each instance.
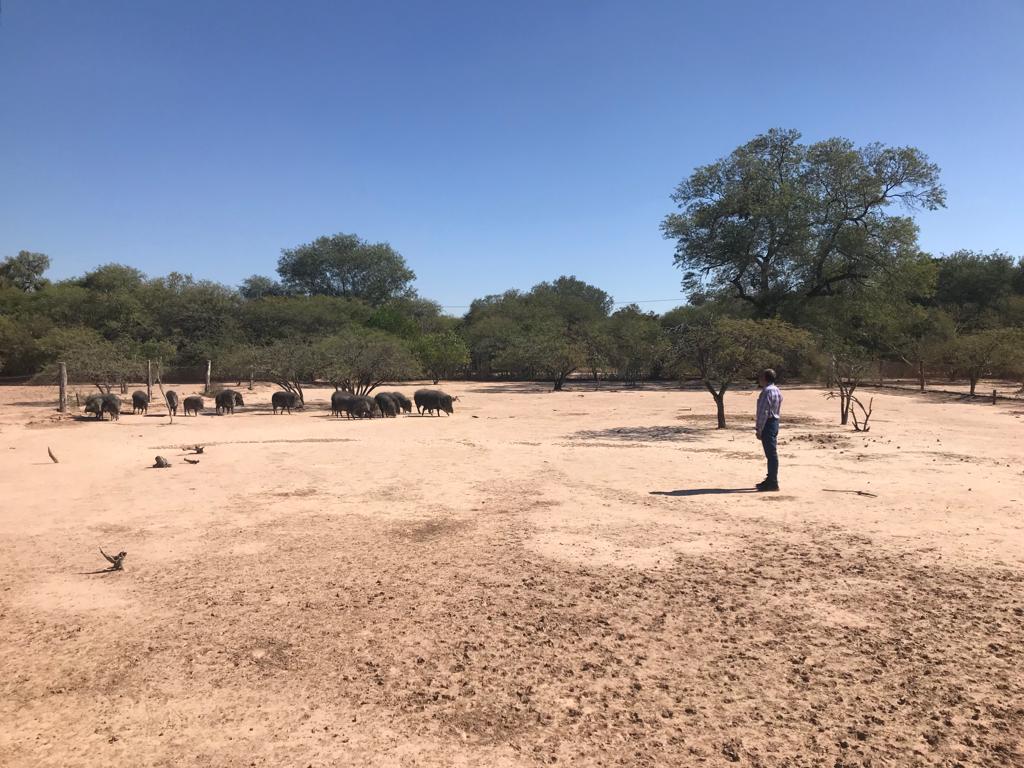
(493, 144)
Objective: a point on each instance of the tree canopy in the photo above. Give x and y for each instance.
(348, 266)
(780, 221)
(24, 272)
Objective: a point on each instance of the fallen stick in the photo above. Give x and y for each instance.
(54, 458)
(859, 493)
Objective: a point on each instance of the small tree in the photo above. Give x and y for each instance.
(978, 354)
(849, 365)
(360, 360)
(727, 350)
(289, 363)
(547, 351)
(442, 354)
(89, 357)
(920, 336)
(239, 362)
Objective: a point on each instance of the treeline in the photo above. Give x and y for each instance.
(803, 257)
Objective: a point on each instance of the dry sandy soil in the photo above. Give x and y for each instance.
(579, 578)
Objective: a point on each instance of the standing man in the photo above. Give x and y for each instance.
(769, 406)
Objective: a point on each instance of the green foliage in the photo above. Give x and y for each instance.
(544, 351)
(983, 353)
(975, 287)
(19, 349)
(111, 278)
(259, 287)
(548, 333)
(345, 265)
(24, 272)
(360, 360)
(89, 357)
(636, 344)
(284, 317)
(724, 350)
(289, 363)
(779, 221)
(442, 354)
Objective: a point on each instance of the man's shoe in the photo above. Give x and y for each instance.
(767, 486)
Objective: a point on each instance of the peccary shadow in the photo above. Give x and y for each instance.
(703, 491)
(639, 434)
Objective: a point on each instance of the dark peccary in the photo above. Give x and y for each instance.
(101, 404)
(363, 407)
(342, 400)
(403, 402)
(140, 401)
(226, 400)
(387, 405)
(194, 404)
(94, 405)
(112, 405)
(171, 397)
(433, 401)
(284, 401)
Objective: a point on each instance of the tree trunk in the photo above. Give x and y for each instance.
(974, 383)
(920, 374)
(124, 387)
(149, 379)
(209, 368)
(62, 382)
(845, 396)
(558, 383)
(252, 377)
(881, 373)
(720, 408)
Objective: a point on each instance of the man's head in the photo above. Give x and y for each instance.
(766, 377)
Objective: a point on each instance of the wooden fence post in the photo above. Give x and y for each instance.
(63, 383)
(149, 379)
(252, 376)
(209, 367)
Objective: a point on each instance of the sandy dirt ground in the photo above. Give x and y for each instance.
(576, 578)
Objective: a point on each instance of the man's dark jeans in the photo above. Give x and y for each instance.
(769, 439)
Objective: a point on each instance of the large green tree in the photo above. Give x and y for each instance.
(346, 265)
(24, 271)
(779, 221)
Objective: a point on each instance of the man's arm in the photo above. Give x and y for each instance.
(762, 413)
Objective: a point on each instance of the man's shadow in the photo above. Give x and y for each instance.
(703, 491)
